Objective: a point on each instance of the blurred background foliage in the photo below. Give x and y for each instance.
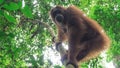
(25, 36)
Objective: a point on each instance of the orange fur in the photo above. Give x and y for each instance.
(86, 38)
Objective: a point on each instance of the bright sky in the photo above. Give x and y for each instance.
(55, 58)
(52, 55)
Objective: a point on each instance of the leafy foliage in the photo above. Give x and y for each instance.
(10, 18)
(11, 6)
(24, 33)
(1, 1)
(27, 11)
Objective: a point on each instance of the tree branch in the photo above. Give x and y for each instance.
(63, 52)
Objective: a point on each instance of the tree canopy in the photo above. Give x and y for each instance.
(26, 32)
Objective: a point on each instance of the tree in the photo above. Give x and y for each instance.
(25, 24)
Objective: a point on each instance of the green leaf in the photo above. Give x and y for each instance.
(27, 11)
(1, 1)
(2, 33)
(20, 4)
(11, 35)
(1, 13)
(10, 18)
(57, 66)
(11, 6)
